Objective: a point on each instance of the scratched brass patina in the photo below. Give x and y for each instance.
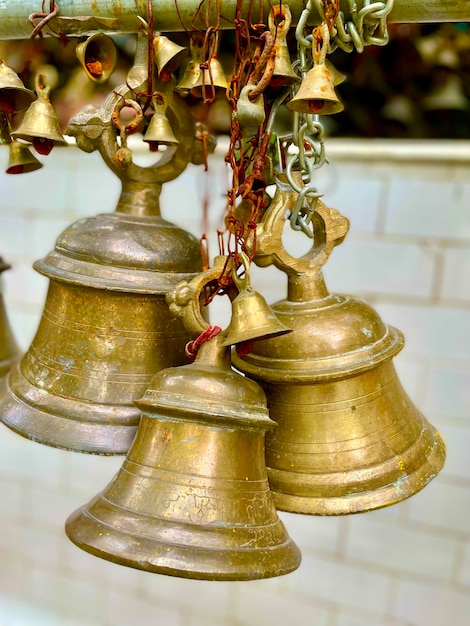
(192, 498)
(106, 328)
(9, 351)
(348, 439)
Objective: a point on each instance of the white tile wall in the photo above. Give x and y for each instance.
(408, 253)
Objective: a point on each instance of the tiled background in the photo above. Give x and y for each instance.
(408, 254)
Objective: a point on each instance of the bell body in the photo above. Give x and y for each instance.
(40, 121)
(348, 439)
(192, 498)
(316, 93)
(105, 330)
(9, 351)
(13, 94)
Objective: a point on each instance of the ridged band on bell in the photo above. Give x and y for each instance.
(192, 497)
(9, 351)
(348, 439)
(106, 328)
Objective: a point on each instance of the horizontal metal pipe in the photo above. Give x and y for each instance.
(120, 15)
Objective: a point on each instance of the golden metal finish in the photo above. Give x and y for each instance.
(14, 96)
(9, 351)
(279, 22)
(98, 57)
(106, 328)
(159, 130)
(192, 498)
(40, 120)
(21, 159)
(168, 55)
(348, 439)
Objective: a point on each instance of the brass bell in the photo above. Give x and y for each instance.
(159, 130)
(316, 93)
(283, 73)
(14, 96)
(168, 56)
(9, 351)
(98, 57)
(219, 79)
(106, 328)
(251, 315)
(40, 124)
(348, 438)
(184, 502)
(21, 160)
(192, 71)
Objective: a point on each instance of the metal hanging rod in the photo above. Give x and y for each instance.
(82, 17)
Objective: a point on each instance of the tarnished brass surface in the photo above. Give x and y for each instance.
(106, 328)
(192, 498)
(9, 351)
(349, 439)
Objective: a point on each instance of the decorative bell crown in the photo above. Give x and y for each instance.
(348, 439)
(192, 498)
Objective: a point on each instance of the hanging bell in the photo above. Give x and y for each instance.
(168, 56)
(192, 497)
(9, 351)
(159, 130)
(316, 93)
(279, 21)
(251, 315)
(98, 57)
(106, 328)
(203, 82)
(14, 96)
(21, 160)
(348, 438)
(192, 71)
(40, 124)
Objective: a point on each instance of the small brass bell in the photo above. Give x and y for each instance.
(192, 497)
(159, 130)
(14, 96)
(21, 160)
(316, 93)
(219, 80)
(192, 71)
(251, 315)
(168, 56)
(98, 57)
(283, 73)
(40, 124)
(9, 351)
(348, 438)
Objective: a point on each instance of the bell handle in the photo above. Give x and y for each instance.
(242, 282)
(320, 45)
(281, 29)
(42, 88)
(329, 228)
(184, 299)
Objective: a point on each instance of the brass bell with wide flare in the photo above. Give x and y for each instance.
(14, 96)
(168, 56)
(21, 159)
(40, 124)
(192, 498)
(9, 351)
(98, 57)
(316, 93)
(279, 21)
(159, 130)
(106, 328)
(192, 70)
(348, 439)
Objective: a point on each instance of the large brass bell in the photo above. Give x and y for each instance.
(279, 22)
(21, 159)
(168, 56)
(40, 124)
(251, 315)
(348, 439)
(14, 96)
(192, 497)
(98, 57)
(9, 351)
(316, 93)
(159, 130)
(106, 328)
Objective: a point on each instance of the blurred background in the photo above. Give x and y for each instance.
(398, 173)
